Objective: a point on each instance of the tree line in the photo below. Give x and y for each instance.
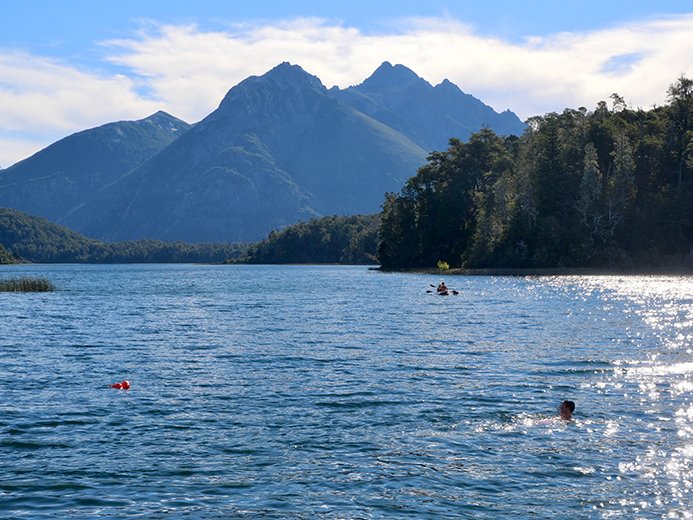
(35, 239)
(331, 239)
(612, 187)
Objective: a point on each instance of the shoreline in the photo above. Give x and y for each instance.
(545, 271)
(457, 271)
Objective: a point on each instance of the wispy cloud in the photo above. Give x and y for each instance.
(48, 100)
(186, 70)
(638, 60)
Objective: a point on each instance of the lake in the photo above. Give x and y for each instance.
(342, 392)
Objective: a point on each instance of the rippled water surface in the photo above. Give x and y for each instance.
(339, 392)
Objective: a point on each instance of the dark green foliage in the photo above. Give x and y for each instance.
(608, 188)
(26, 285)
(334, 239)
(5, 256)
(35, 239)
(432, 218)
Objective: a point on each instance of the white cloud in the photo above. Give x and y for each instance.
(192, 69)
(187, 70)
(48, 100)
(15, 149)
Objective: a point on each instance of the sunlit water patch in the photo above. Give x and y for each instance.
(338, 392)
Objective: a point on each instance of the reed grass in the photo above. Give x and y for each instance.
(26, 284)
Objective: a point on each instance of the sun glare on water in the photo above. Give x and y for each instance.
(658, 388)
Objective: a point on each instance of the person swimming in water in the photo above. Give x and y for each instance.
(566, 410)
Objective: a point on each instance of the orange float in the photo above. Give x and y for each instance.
(123, 385)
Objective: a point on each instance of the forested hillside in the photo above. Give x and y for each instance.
(337, 240)
(608, 188)
(35, 239)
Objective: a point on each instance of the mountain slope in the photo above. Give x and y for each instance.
(278, 149)
(68, 173)
(428, 115)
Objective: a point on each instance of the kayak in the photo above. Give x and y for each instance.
(442, 293)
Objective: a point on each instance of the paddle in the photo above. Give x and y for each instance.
(453, 291)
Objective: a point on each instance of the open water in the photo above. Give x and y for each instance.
(339, 392)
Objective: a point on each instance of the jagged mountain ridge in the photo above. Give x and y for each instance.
(428, 115)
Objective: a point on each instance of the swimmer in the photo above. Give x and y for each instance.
(566, 410)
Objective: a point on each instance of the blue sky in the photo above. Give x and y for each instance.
(70, 65)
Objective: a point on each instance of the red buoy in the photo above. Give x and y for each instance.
(123, 385)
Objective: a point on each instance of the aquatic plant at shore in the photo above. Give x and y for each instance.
(26, 284)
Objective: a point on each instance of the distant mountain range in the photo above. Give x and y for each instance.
(280, 148)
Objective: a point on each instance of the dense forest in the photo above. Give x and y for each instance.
(332, 239)
(35, 239)
(611, 187)
(5, 256)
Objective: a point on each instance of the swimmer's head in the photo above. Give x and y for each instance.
(566, 409)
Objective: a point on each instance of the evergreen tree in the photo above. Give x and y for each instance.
(590, 202)
(620, 191)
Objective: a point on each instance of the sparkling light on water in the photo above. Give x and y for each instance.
(659, 381)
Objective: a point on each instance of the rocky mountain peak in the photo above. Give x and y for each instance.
(285, 77)
(388, 75)
(165, 121)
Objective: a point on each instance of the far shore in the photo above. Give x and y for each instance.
(545, 271)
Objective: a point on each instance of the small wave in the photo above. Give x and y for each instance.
(356, 404)
(32, 445)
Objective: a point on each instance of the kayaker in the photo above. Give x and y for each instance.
(442, 288)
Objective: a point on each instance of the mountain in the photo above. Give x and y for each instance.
(428, 115)
(279, 149)
(68, 173)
